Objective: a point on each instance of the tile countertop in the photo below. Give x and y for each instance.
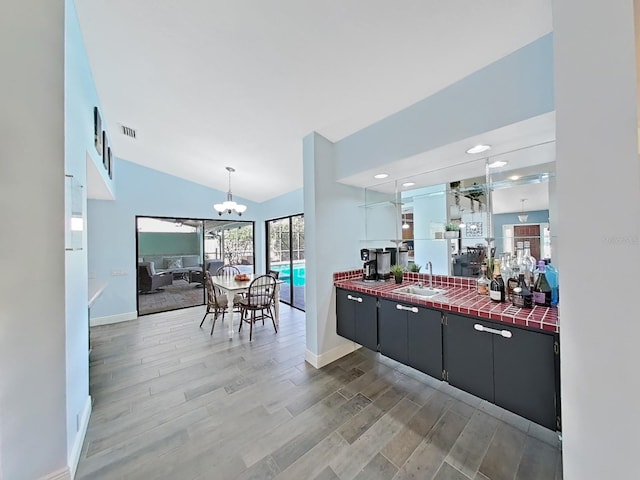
(461, 297)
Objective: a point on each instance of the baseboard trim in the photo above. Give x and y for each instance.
(319, 361)
(109, 319)
(76, 450)
(62, 474)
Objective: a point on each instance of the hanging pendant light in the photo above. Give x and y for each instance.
(523, 217)
(405, 225)
(229, 205)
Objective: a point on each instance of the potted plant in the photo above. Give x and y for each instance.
(415, 267)
(451, 230)
(397, 271)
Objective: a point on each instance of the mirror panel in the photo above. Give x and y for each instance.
(493, 207)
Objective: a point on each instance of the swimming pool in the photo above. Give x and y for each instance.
(285, 273)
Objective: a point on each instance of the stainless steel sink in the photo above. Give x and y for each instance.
(425, 292)
(370, 283)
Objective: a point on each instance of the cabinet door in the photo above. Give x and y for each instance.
(424, 337)
(469, 356)
(345, 315)
(524, 375)
(392, 325)
(366, 321)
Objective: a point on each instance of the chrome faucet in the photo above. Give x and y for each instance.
(430, 274)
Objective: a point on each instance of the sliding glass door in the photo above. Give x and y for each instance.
(285, 254)
(174, 253)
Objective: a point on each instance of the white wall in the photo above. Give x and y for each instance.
(32, 293)
(595, 91)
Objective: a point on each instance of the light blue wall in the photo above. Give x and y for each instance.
(429, 216)
(333, 220)
(112, 227)
(80, 98)
(516, 87)
(291, 203)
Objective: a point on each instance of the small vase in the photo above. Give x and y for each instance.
(398, 278)
(451, 234)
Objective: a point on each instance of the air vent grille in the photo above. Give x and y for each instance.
(128, 131)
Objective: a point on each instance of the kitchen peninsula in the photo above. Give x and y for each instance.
(503, 354)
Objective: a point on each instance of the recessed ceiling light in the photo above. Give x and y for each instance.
(408, 184)
(514, 177)
(479, 149)
(381, 175)
(496, 164)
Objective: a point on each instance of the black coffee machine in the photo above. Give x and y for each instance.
(369, 269)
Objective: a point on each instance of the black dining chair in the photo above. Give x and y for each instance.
(228, 270)
(475, 259)
(274, 273)
(260, 298)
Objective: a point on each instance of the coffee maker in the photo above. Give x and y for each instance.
(383, 264)
(369, 269)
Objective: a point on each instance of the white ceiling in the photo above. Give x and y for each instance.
(210, 83)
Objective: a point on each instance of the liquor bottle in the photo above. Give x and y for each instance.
(482, 284)
(512, 281)
(551, 273)
(520, 256)
(530, 260)
(542, 288)
(496, 288)
(505, 271)
(521, 294)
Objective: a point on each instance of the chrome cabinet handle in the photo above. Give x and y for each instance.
(502, 333)
(355, 299)
(409, 309)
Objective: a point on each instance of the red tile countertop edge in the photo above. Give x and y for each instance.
(460, 298)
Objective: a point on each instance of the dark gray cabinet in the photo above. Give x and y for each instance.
(424, 331)
(506, 365)
(357, 317)
(513, 367)
(468, 357)
(411, 335)
(524, 367)
(392, 331)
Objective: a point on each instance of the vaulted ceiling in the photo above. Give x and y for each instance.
(210, 83)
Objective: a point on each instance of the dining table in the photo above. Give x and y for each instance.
(230, 286)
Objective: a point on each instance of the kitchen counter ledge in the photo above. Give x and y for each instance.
(461, 297)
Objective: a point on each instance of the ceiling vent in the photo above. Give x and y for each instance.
(128, 131)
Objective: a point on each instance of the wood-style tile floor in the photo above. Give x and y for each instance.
(172, 402)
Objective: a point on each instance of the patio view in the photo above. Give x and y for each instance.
(286, 256)
(174, 253)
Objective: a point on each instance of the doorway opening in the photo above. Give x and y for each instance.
(173, 254)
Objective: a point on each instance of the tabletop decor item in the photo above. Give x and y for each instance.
(398, 272)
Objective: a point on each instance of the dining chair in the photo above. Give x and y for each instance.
(217, 302)
(475, 259)
(260, 298)
(228, 270)
(274, 273)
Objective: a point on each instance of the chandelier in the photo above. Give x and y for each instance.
(523, 217)
(229, 205)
